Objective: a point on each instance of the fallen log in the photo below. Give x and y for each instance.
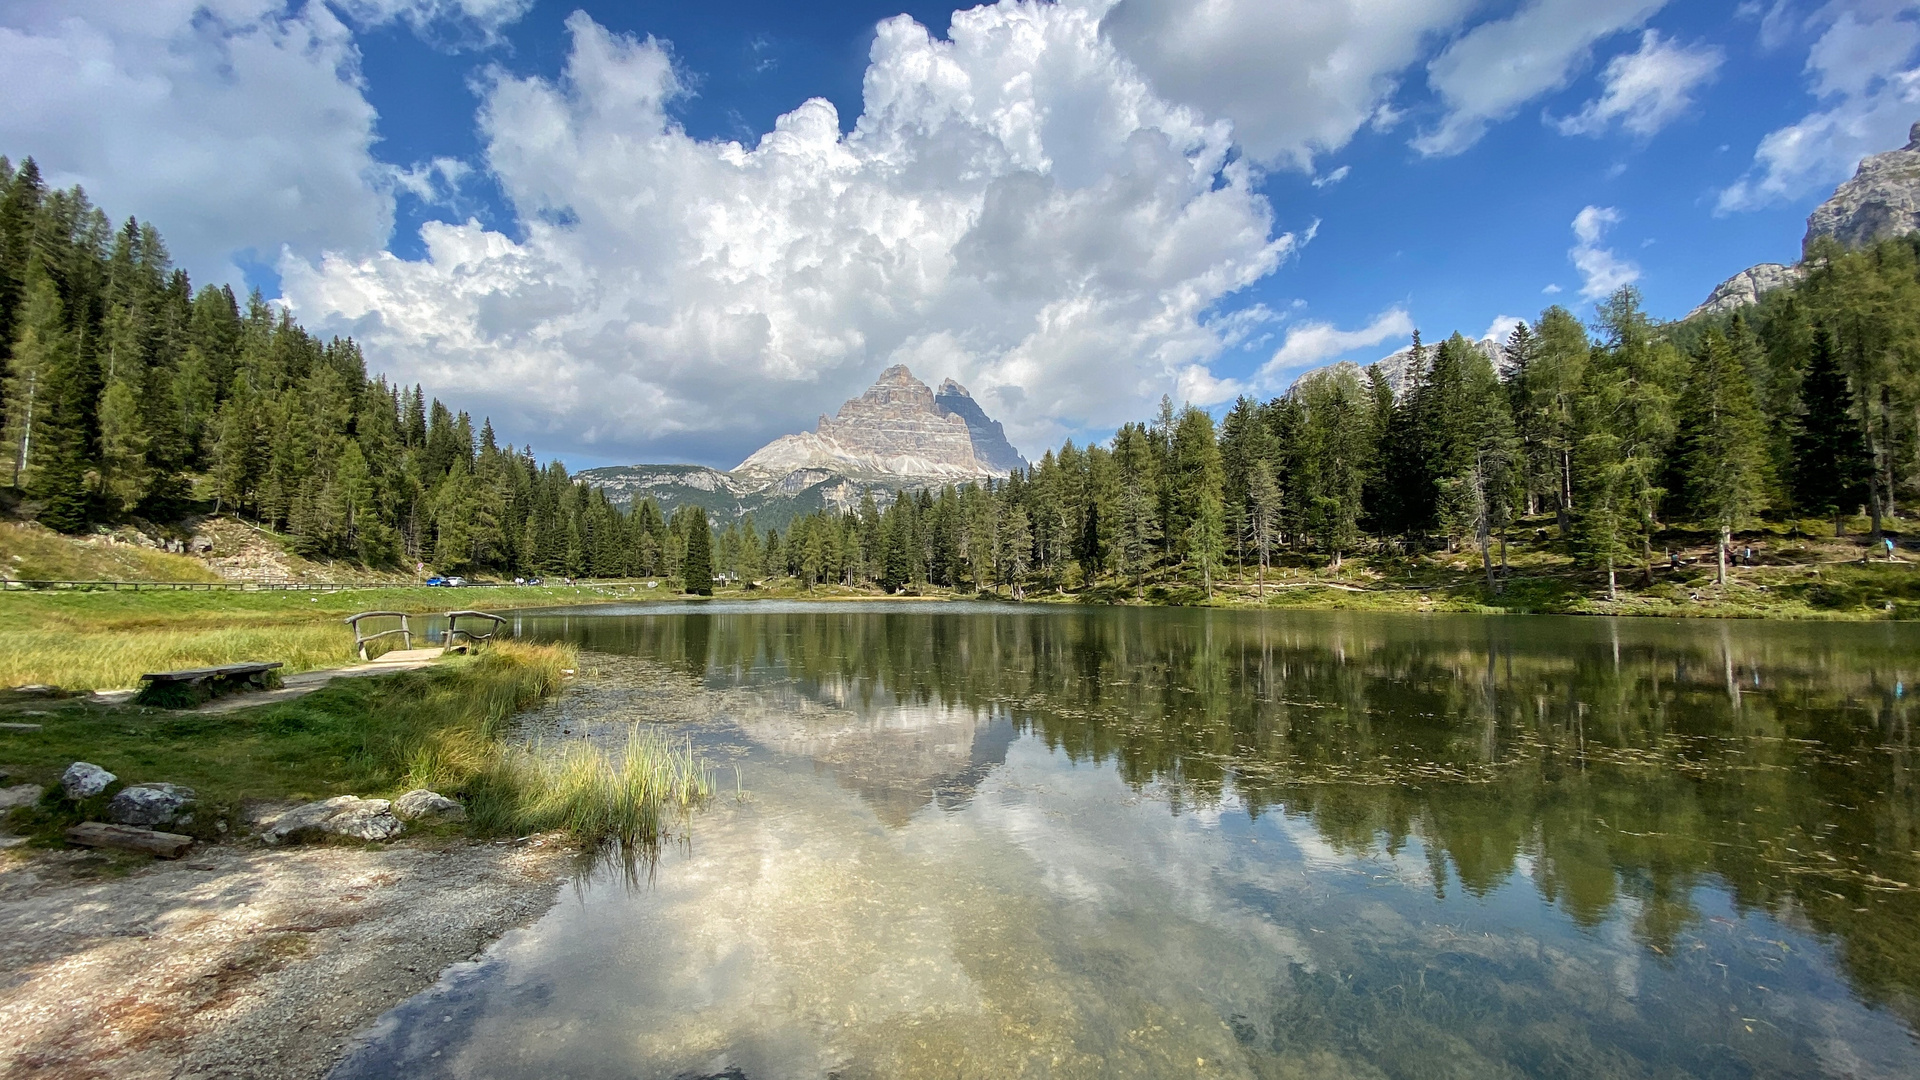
(129, 838)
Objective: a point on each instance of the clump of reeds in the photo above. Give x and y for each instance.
(626, 794)
(106, 659)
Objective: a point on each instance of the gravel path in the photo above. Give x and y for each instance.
(240, 961)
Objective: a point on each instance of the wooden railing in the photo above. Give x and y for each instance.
(362, 639)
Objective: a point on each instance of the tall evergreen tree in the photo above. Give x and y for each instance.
(1829, 454)
(1722, 442)
(697, 568)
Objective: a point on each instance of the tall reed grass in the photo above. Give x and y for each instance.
(626, 794)
(81, 659)
(448, 737)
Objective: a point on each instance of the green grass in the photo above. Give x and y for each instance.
(107, 640)
(438, 727)
(33, 553)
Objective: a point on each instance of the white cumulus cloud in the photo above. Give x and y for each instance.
(1501, 328)
(1317, 342)
(1016, 207)
(1297, 79)
(1646, 89)
(486, 17)
(1863, 72)
(1601, 271)
(233, 125)
(1489, 73)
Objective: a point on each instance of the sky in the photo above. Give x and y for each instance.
(670, 232)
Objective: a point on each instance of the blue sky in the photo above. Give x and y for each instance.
(564, 215)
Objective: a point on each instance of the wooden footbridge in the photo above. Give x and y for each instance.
(239, 686)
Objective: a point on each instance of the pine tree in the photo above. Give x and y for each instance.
(1722, 441)
(1263, 516)
(1337, 442)
(41, 345)
(697, 569)
(1829, 454)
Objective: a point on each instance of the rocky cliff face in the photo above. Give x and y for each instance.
(990, 445)
(1745, 287)
(897, 428)
(1882, 200)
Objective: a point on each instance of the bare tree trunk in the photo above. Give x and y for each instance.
(1562, 512)
(1726, 538)
(1613, 588)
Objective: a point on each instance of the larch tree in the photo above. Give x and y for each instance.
(1263, 516)
(1722, 442)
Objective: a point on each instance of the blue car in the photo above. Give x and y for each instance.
(436, 580)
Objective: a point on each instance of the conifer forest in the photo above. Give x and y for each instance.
(129, 394)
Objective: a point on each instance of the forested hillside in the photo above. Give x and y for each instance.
(127, 394)
(1804, 407)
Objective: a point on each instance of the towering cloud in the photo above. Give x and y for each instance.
(1015, 206)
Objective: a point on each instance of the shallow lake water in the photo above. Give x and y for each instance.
(993, 841)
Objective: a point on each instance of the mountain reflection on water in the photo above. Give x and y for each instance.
(1141, 841)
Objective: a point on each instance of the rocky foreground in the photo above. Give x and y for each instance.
(240, 962)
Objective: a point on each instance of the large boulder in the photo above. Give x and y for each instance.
(84, 780)
(149, 804)
(346, 816)
(421, 803)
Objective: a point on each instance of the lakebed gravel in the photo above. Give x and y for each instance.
(241, 961)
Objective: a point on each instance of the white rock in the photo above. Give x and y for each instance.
(149, 804)
(19, 795)
(347, 816)
(1747, 287)
(421, 803)
(84, 780)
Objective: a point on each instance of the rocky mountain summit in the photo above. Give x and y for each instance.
(898, 428)
(1745, 287)
(899, 434)
(1881, 201)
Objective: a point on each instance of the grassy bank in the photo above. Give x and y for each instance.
(105, 640)
(437, 727)
(30, 552)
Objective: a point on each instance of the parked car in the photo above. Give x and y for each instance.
(436, 580)
(456, 582)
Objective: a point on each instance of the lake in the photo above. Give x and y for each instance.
(1034, 841)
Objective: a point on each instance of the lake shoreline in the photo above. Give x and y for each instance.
(241, 960)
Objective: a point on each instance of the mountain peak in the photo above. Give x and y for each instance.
(1882, 200)
(898, 428)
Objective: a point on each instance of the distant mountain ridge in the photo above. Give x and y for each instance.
(898, 435)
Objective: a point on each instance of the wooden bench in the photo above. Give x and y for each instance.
(458, 639)
(361, 639)
(189, 687)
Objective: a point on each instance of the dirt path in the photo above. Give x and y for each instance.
(236, 961)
